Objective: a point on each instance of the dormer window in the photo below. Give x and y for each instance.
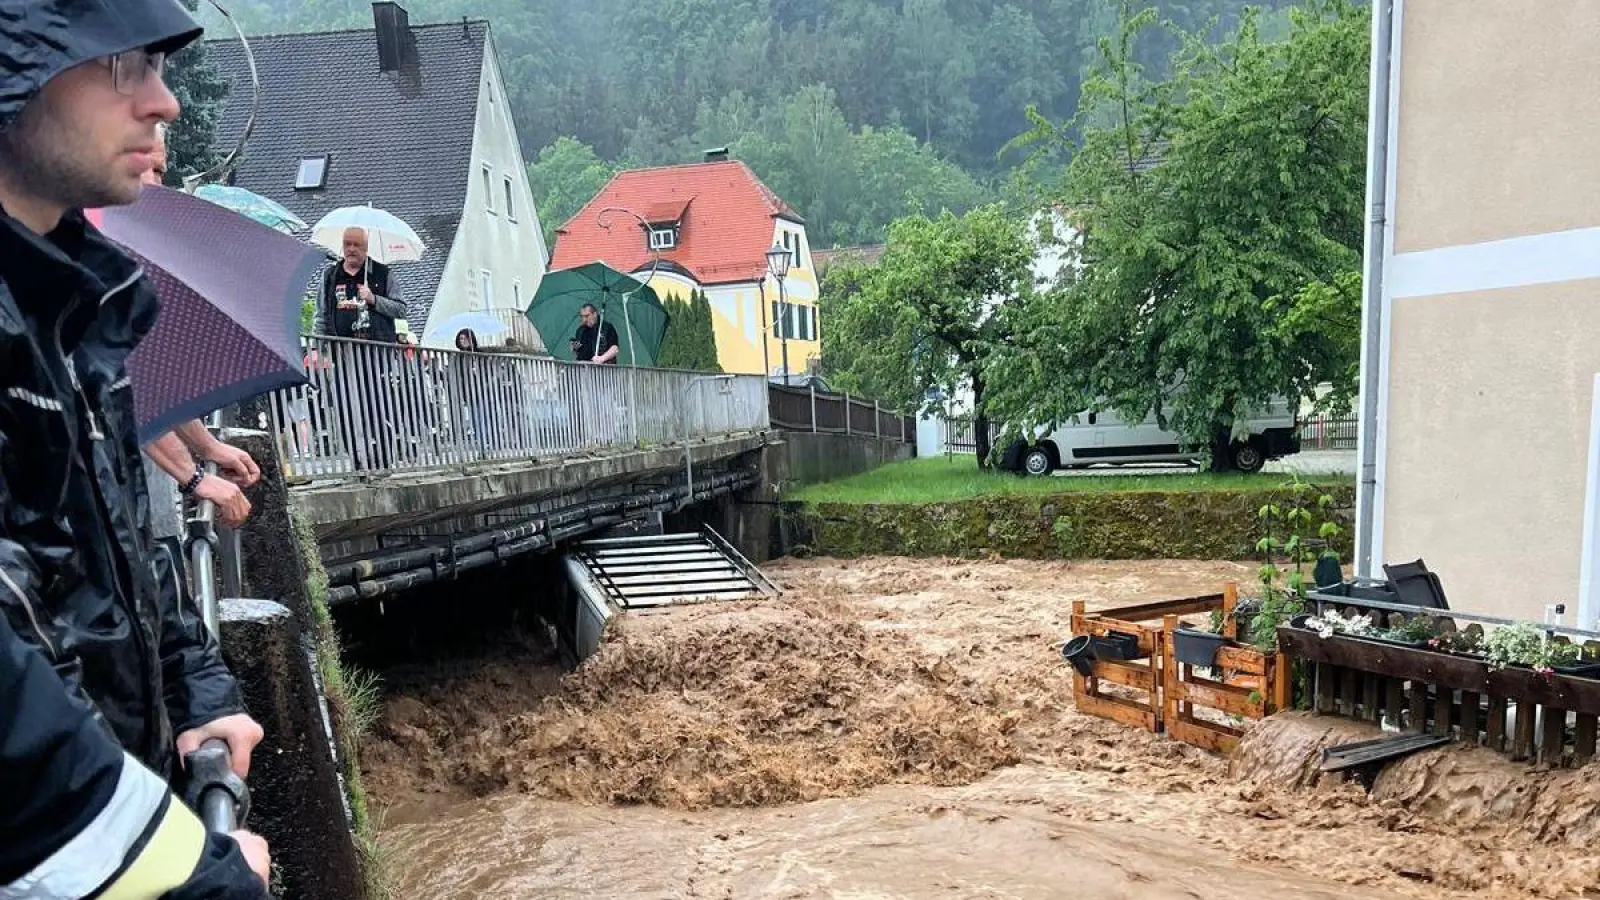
(663, 237)
(312, 174)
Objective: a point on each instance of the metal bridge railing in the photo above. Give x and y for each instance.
(380, 408)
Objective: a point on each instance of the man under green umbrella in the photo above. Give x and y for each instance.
(596, 341)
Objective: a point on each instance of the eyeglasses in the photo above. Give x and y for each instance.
(131, 69)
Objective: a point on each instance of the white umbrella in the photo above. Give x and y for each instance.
(481, 324)
(389, 240)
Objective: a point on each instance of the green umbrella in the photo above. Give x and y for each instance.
(248, 203)
(629, 304)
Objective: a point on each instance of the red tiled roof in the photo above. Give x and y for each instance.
(666, 212)
(725, 216)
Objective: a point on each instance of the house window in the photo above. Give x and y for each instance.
(791, 242)
(486, 288)
(312, 174)
(511, 203)
(816, 324)
(488, 187)
(792, 323)
(516, 294)
(663, 238)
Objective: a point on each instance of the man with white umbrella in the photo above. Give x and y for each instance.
(360, 298)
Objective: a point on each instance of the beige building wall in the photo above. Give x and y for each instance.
(1492, 298)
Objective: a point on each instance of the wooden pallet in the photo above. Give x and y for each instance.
(1166, 693)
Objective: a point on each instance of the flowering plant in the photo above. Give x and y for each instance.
(1526, 644)
(1331, 622)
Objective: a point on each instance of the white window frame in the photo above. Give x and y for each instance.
(516, 293)
(486, 288)
(301, 183)
(663, 238)
(488, 189)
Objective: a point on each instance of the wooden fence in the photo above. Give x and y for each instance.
(1160, 692)
(1545, 717)
(808, 409)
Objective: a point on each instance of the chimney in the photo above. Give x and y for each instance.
(717, 154)
(396, 46)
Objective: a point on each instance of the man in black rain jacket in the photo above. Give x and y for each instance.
(81, 95)
(79, 817)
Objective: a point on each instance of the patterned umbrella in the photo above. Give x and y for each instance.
(270, 213)
(230, 291)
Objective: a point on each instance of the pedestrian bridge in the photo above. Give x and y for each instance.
(399, 457)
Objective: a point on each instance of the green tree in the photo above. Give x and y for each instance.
(567, 175)
(1222, 214)
(650, 83)
(931, 312)
(690, 342)
(200, 90)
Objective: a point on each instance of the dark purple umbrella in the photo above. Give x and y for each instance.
(231, 291)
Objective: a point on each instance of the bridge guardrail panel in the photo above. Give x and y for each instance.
(379, 408)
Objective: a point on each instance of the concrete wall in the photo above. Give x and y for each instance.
(797, 458)
(1491, 301)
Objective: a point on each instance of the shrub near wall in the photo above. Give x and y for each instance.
(1211, 524)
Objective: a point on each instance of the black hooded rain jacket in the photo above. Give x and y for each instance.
(130, 655)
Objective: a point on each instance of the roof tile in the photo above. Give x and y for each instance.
(726, 213)
(401, 141)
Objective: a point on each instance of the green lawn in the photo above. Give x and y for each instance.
(957, 478)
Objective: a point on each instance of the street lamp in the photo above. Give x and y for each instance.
(778, 264)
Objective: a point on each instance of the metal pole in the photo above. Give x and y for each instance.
(1385, 59)
(847, 413)
(633, 367)
(202, 543)
(766, 334)
(877, 420)
(813, 407)
(783, 307)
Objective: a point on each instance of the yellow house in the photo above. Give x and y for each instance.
(709, 226)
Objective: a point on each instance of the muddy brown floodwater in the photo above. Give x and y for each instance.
(903, 729)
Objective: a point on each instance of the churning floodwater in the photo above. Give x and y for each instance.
(890, 729)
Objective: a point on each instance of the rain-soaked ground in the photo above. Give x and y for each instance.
(895, 729)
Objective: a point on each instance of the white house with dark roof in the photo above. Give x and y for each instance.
(412, 119)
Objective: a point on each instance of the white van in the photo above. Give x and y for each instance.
(1102, 438)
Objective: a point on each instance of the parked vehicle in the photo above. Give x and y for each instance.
(1102, 438)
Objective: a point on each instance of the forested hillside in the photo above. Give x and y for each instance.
(856, 111)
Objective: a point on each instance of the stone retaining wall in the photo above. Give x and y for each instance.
(1214, 524)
